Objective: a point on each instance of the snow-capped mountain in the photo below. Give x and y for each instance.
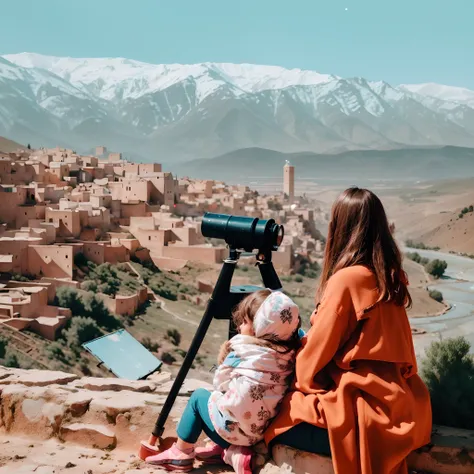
(180, 112)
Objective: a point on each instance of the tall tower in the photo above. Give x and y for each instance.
(289, 181)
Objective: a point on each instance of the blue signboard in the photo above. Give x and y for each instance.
(123, 355)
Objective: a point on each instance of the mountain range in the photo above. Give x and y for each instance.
(175, 113)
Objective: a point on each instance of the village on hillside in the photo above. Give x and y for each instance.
(99, 229)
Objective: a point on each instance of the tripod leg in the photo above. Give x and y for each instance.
(222, 287)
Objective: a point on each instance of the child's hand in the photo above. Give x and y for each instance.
(224, 352)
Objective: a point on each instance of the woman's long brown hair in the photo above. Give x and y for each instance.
(359, 234)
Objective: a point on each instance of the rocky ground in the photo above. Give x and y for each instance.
(22, 456)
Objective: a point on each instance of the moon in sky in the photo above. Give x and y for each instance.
(347, 9)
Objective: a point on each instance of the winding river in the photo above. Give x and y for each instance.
(457, 288)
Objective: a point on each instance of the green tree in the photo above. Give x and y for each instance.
(465, 210)
(448, 371)
(81, 330)
(29, 146)
(96, 310)
(436, 267)
(69, 298)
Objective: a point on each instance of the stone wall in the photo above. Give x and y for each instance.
(116, 414)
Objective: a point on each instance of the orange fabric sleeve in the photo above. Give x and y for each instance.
(329, 326)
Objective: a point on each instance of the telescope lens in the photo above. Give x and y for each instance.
(280, 235)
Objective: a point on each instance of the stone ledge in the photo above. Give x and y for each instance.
(34, 378)
(451, 452)
(47, 405)
(100, 385)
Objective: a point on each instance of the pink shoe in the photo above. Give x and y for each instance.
(173, 460)
(240, 458)
(210, 454)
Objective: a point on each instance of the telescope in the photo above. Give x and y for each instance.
(241, 234)
(247, 233)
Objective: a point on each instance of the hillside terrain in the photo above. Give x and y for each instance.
(246, 166)
(166, 326)
(181, 112)
(437, 214)
(7, 146)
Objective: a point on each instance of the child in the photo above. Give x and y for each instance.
(255, 371)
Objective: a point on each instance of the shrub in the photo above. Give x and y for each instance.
(150, 345)
(69, 298)
(19, 277)
(165, 292)
(436, 295)
(461, 215)
(96, 310)
(168, 358)
(181, 352)
(436, 267)
(471, 208)
(274, 205)
(84, 366)
(415, 256)
(81, 330)
(415, 245)
(419, 245)
(106, 278)
(89, 285)
(309, 269)
(174, 336)
(298, 278)
(448, 371)
(55, 352)
(11, 360)
(146, 275)
(3, 346)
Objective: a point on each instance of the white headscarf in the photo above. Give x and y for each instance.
(278, 316)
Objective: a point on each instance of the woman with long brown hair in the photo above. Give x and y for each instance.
(357, 395)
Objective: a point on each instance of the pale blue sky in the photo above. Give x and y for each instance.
(403, 41)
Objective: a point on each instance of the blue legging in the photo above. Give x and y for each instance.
(196, 419)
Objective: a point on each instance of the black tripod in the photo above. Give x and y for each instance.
(223, 300)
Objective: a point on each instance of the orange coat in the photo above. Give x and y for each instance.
(356, 375)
